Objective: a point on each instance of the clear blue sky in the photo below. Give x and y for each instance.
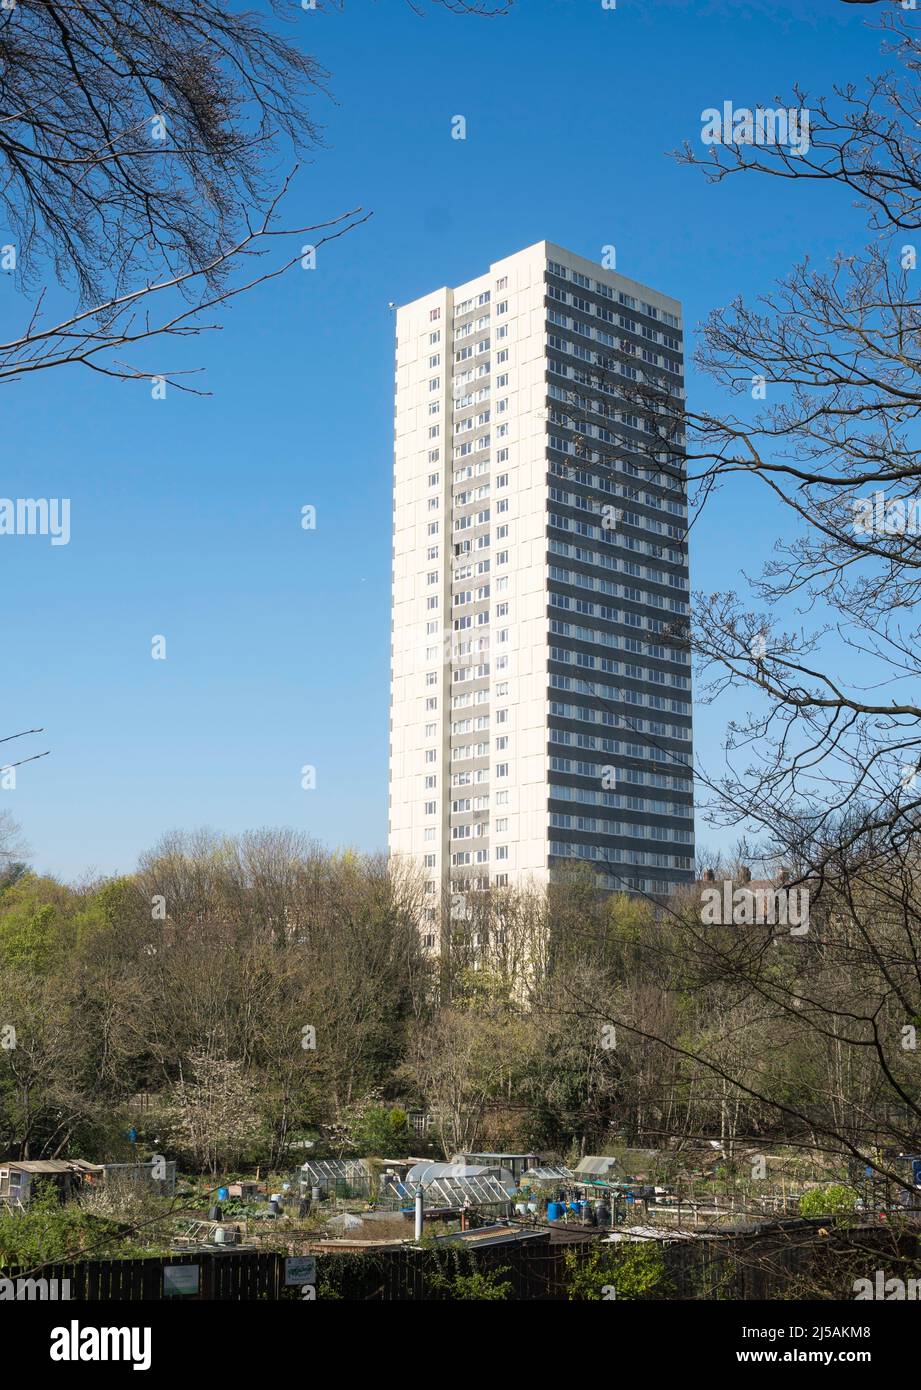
(185, 512)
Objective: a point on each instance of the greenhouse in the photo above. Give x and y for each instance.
(336, 1177)
(551, 1173)
(454, 1192)
(427, 1172)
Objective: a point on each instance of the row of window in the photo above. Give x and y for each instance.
(606, 292)
(586, 608)
(613, 536)
(585, 503)
(634, 775)
(588, 796)
(482, 369)
(605, 560)
(562, 849)
(474, 803)
(471, 777)
(460, 674)
(625, 883)
(461, 650)
(471, 470)
(596, 689)
(651, 406)
(572, 371)
(475, 302)
(593, 825)
(654, 727)
(501, 741)
(473, 326)
(615, 366)
(651, 335)
(626, 696)
(479, 856)
(472, 697)
(596, 637)
(597, 584)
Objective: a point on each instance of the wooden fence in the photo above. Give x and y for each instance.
(533, 1270)
(760, 1264)
(242, 1274)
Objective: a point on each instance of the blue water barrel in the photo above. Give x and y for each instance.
(555, 1211)
(222, 1194)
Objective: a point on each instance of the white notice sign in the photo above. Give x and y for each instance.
(301, 1269)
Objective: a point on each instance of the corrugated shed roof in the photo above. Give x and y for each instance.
(596, 1166)
(51, 1165)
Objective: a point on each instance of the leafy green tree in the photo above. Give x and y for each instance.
(381, 1130)
(36, 923)
(482, 1284)
(49, 1230)
(834, 1200)
(629, 1270)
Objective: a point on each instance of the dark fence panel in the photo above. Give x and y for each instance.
(769, 1263)
(240, 1275)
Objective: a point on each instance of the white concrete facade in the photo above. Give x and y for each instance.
(477, 653)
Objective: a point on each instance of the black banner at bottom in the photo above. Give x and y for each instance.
(62, 1340)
